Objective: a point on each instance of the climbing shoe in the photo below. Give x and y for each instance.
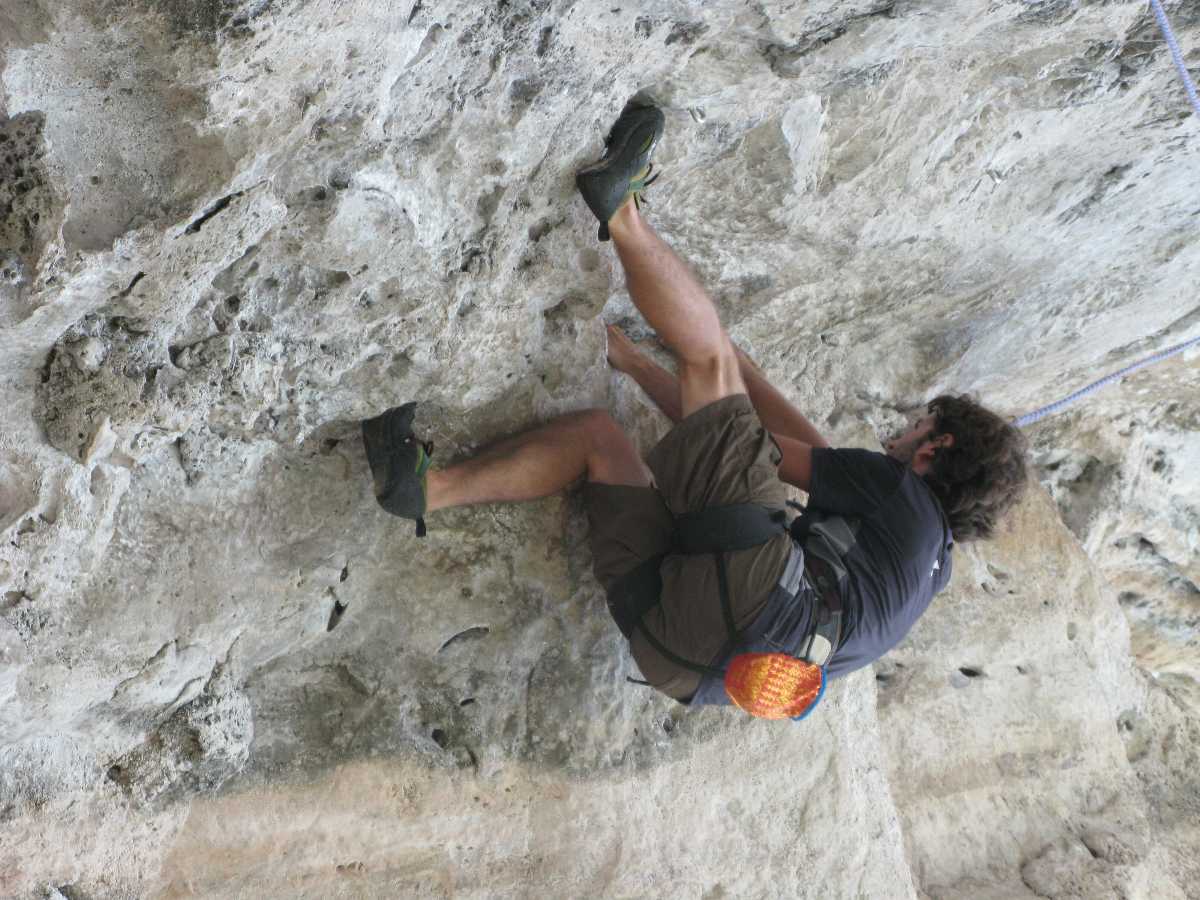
(398, 463)
(624, 169)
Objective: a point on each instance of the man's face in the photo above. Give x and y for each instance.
(904, 447)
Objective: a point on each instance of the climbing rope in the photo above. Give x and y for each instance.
(1165, 26)
(1030, 418)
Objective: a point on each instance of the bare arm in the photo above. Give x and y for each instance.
(796, 466)
(779, 416)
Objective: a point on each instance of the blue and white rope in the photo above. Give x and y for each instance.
(1161, 15)
(1031, 417)
(1185, 76)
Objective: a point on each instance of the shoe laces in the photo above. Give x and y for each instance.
(427, 446)
(638, 199)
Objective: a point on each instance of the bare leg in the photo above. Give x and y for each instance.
(541, 462)
(675, 304)
(777, 414)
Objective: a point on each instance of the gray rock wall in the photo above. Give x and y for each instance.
(229, 231)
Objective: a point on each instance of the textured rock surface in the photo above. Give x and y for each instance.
(230, 230)
(1126, 473)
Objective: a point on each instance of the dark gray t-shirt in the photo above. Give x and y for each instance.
(901, 558)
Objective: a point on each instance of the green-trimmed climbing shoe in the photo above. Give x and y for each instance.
(624, 170)
(398, 463)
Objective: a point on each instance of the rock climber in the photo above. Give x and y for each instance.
(691, 543)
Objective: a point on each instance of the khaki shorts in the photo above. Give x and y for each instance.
(719, 455)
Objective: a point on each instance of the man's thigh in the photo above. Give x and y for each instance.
(614, 459)
(719, 455)
(628, 520)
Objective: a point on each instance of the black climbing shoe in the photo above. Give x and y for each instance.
(398, 463)
(624, 170)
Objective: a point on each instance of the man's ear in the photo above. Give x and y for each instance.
(923, 459)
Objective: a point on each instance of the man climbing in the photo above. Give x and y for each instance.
(691, 544)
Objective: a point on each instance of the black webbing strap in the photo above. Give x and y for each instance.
(828, 624)
(726, 604)
(728, 529)
(635, 593)
(730, 628)
(678, 660)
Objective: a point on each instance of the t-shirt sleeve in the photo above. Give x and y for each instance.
(852, 481)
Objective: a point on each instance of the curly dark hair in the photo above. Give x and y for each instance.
(983, 474)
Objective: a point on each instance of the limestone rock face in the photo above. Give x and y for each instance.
(231, 229)
(1125, 473)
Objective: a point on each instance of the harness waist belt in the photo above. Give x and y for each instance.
(827, 633)
(727, 529)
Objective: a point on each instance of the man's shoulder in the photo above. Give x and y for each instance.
(868, 473)
(925, 501)
(860, 456)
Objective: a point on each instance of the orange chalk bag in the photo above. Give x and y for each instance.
(774, 685)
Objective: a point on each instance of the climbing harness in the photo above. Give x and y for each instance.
(1029, 418)
(1042, 412)
(775, 667)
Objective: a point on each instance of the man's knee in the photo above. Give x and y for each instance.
(598, 425)
(717, 357)
(713, 372)
(612, 456)
(605, 437)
